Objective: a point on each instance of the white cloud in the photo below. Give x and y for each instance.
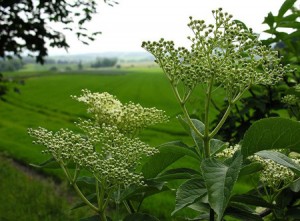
(126, 25)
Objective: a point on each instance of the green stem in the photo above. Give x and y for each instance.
(190, 122)
(185, 112)
(221, 122)
(227, 112)
(80, 194)
(85, 200)
(207, 137)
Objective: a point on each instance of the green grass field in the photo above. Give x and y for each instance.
(44, 100)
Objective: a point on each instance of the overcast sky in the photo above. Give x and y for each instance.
(127, 24)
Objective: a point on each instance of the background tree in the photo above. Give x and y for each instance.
(26, 25)
(104, 62)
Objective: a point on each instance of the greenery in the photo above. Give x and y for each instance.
(266, 101)
(104, 62)
(44, 199)
(29, 20)
(221, 160)
(252, 180)
(11, 65)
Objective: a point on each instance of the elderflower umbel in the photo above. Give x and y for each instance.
(225, 53)
(273, 174)
(104, 148)
(290, 99)
(128, 118)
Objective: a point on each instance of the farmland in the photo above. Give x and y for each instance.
(43, 99)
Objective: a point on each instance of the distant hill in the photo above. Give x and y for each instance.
(122, 56)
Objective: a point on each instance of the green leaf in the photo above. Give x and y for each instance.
(51, 163)
(140, 192)
(250, 168)
(188, 193)
(242, 212)
(288, 4)
(87, 180)
(251, 200)
(178, 173)
(269, 20)
(140, 217)
(217, 146)
(168, 154)
(200, 127)
(180, 147)
(271, 133)
(293, 24)
(280, 159)
(219, 179)
(295, 185)
(241, 23)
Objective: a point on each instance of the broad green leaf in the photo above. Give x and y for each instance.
(220, 178)
(180, 147)
(271, 133)
(241, 23)
(280, 159)
(198, 141)
(138, 192)
(291, 24)
(178, 173)
(242, 212)
(288, 4)
(251, 200)
(217, 146)
(51, 163)
(269, 20)
(140, 217)
(291, 17)
(159, 162)
(198, 124)
(200, 127)
(250, 168)
(188, 193)
(295, 185)
(168, 154)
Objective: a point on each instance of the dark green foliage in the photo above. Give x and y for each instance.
(104, 62)
(28, 21)
(272, 133)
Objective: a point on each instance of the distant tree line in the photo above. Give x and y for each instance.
(11, 64)
(104, 62)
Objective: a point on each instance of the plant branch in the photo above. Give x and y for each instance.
(78, 191)
(221, 122)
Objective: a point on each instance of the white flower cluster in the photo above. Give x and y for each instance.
(225, 53)
(273, 174)
(290, 99)
(103, 148)
(128, 118)
(228, 152)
